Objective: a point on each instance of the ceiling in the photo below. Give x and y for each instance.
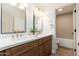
(67, 9)
(49, 6)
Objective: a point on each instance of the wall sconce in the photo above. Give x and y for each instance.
(14, 4)
(20, 5)
(37, 12)
(60, 9)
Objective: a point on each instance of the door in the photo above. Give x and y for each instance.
(71, 30)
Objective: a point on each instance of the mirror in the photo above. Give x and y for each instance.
(13, 18)
(37, 22)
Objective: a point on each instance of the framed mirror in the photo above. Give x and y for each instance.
(37, 21)
(13, 18)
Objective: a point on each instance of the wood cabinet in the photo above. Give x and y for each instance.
(45, 46)
(40, 47)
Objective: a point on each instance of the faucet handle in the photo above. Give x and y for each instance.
(20, 35)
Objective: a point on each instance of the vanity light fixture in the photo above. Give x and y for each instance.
(14, 4)
(37, 11)
(60, 9)
(22, 5)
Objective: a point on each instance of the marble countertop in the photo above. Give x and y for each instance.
(8, 43)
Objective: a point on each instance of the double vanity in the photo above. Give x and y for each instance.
(34, 44)
(29, 46)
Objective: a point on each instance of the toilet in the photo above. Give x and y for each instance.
(57, 43)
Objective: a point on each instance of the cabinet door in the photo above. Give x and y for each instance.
(47, 48)
(41, 50)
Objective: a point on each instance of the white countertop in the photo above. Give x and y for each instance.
(8, 43)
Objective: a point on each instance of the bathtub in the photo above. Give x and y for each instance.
(68, 43)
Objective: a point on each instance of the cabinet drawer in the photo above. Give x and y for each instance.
(21, 49)
(43, 40)
(45, 48)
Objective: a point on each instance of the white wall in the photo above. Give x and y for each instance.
(0, 18)
(51, 16)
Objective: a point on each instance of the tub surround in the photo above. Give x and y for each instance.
(12, 42)
(67, 43)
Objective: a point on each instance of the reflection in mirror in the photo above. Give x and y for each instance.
(13, 18)
(39, 20)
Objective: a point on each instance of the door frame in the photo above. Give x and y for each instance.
(74, 30)
(74, 27)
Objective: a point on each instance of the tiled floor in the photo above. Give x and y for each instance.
(63, 52)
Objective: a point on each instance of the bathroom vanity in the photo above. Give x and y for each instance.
(38, 47)
(22, 45)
